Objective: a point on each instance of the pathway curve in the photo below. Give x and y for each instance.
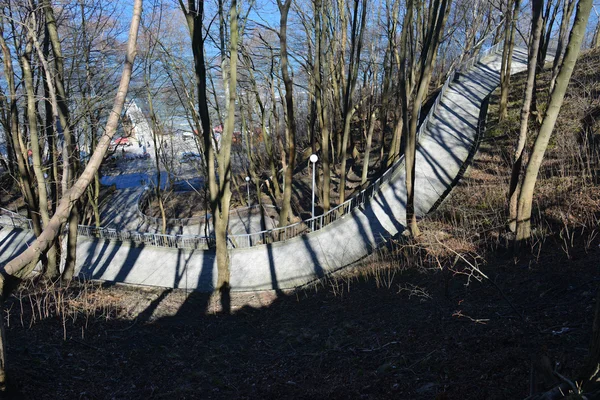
(444, 147)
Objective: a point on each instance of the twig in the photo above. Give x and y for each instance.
(482, 321)
(567, 381)
(379, 348)
(488, 279)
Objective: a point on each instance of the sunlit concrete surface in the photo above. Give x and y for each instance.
(443, 149)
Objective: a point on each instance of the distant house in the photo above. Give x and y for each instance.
(188, 135)
(217, 131)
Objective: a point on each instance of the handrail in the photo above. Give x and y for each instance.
(364, 195)
(157, 221)
(266, 236)
(16, 220)
(170, 221)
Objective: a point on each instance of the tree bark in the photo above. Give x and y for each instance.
(285, 214)
(221, 216)
(567, 13)
(556, 99)
(438, 15)
(507, 53)
(24, 177)
(321, 87)
(536, 29)
(70, 155)
(596, 38)
(358, 25)
(32, 118)
(371, 123)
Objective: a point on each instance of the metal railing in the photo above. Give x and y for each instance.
(14, 220)
(263, 237)
(147, 238)
(146, 196)
(365, 195)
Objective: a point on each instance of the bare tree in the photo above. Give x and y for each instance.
(510, 26)
(556, 99)
(567, 13)
(285, 214)
(534, 44)
(356, 39)
(21, 266)
(435, 20)
(220, 190)
(25, 181)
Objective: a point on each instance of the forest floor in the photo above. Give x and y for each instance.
(454, 314)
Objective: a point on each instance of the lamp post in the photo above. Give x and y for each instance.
(313, 159)
(248, 188)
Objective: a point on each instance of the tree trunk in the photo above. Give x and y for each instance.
(596, 38)
(371, 124)
(194, 17)
(32, 117)
(321, 87)
(155, 130)
(556, 99)
(70, 155)
(568, 7)
(285, 213)
(221, 216)
(438, 15)
(71, 256)
(358, 24)
(20, 154)
(548, 24)
(395, 144)
(536, 29)
(507, 53)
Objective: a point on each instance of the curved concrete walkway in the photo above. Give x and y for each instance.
(443, 149)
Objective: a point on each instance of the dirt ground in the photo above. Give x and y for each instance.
(389, 334)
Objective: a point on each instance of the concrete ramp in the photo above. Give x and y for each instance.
(444, 146)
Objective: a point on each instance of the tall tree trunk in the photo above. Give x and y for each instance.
(285, 213)
(70, 156)
(548, 24)
(221, 216)
(438, 15)
(596, 38)
(20, 154)
(507, 53)
(536, 29)
(157, 190)
(194, 17)
(371, 124)
(385, 100)
(556, 99)
(358, 25)
(71, 256)
(32, 118)
(567, 13)
(321, 87)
